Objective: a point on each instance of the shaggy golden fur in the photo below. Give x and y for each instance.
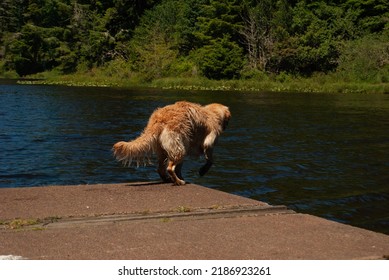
(173, 132)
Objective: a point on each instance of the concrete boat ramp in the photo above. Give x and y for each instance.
(161, 221)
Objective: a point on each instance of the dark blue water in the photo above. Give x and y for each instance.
(323, 154)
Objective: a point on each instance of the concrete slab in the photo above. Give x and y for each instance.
(105, 199)
(159, 221)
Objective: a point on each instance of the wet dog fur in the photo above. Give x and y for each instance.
(173, 132)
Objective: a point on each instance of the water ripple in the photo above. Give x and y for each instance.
(320, 154)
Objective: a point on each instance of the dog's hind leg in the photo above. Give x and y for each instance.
(173, 145)
(171, 169)
(162, 164)
(178, 170)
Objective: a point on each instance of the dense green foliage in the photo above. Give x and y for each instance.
(216, 39)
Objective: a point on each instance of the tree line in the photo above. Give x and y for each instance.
(217, 39)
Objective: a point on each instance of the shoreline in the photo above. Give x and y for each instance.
(297, 85)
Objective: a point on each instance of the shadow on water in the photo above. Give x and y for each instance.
(323, 154)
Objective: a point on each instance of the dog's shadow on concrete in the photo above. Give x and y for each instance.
(151, 183)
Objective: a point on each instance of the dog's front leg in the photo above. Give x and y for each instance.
(209, 161)
(209, 141)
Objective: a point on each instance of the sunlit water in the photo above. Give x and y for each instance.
(323, 154)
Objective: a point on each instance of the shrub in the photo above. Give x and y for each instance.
(222, 59)
(365, 59)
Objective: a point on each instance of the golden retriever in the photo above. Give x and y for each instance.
(174, 131)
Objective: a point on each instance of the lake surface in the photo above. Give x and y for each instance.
(323, 154)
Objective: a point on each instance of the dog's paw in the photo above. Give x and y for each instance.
(179, 182)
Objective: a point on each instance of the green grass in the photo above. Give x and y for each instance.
(281, 83)
(312, 85)
(19, 223)
(183, 209)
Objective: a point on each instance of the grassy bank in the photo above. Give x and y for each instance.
(281, 83)
(293, 85)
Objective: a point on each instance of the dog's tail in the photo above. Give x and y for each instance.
(139, 150)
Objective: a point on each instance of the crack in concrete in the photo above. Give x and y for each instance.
(200, 213)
